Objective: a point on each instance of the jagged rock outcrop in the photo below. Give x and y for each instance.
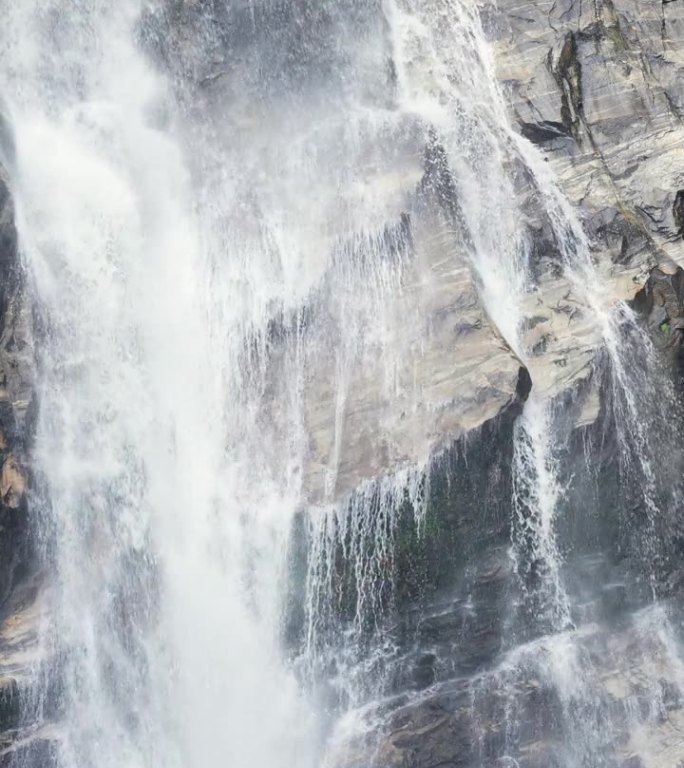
(598, 86)
(424, 368)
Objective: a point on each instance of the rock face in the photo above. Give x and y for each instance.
(425, 365)
(17, 379)
(479, 674)
(661, 302)
(594, 85)
(477, 679)
(21, 590)
(464, 722)
(598, 86)
(384, 355)
(402, 361)
(398, 355)
(23, 666)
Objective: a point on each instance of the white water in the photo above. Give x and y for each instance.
(159, 253)
(169, 557)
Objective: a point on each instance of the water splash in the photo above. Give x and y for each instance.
(168, 561)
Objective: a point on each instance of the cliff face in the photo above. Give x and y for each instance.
(17, 380)
(598, 87)
(385, 321)
(399, 361)
(21, 591)
(593, 85)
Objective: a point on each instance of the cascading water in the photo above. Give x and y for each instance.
(219, 204)
(167, 571)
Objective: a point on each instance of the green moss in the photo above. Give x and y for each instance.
(665, 328)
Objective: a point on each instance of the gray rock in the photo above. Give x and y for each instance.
(594, 85)
(533, 709)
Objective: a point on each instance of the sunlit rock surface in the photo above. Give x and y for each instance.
(598, 86)
(595, 85)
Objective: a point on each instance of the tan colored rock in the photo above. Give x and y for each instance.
(425, 366)
(13, 482)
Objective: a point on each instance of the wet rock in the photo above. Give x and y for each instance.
(13, 482)
(10, 705)
(577, 85)
(529, 709)
(678, 211)
(568, 72)
(452, 372)
(17, 379)
(661, 303)
(611, 73)
(17, 359)
(21, 656)
(38, 749)
(543, 131)
(25, 662)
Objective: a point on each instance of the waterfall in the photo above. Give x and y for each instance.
(167, 559)
(230, 215)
